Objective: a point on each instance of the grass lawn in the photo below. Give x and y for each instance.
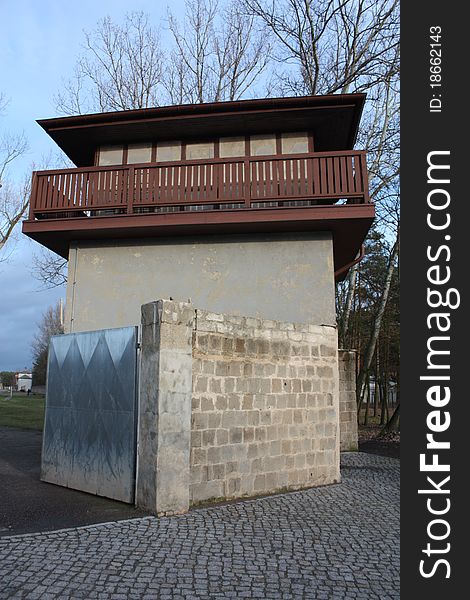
(22, 411)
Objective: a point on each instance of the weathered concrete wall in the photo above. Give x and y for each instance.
(287, 278)
(265, 407)
(347, 400)
(165, 407)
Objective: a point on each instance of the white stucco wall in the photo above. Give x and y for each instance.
(286, 278)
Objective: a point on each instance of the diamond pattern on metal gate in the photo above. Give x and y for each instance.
(89, 439)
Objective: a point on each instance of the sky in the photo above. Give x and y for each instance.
(39, 44)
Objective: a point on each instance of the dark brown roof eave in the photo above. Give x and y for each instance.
(209, 108)
(103, 128)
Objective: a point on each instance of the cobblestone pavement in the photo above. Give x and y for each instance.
(333, 542)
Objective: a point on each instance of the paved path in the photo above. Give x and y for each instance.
(333, 542)
(29, 505)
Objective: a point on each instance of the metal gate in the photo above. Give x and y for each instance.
(89, 441)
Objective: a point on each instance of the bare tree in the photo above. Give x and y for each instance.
(14, 199)
(341, 46)
(51, 324)
(218, 53)
(330, 46)
(120, 68)
(371, 346)
(380, 136)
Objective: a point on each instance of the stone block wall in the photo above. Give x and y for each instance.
(347, 400)
(265, 409)
(233, 407)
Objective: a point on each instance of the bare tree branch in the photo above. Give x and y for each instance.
(49, 269)
(371, 346)
(120, 68)
(14, 199)
(341, 46)
(218, 53)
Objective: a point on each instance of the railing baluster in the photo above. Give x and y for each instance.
(365, 177)
(232, 181)
(37, 201)
(216, 180)
(240, 181)
(93, 199)
(139, 183)
(173, 178)
(107, 187)
(350, 175)
(337, 175)
(316, 186)
(187, 184)
(288, 178)
(247, 184)
(144, 191)
(254, 181)
(84, 192)
(55, 190)
(66, 192)
(343, 176)
(323, 177)
(261, 177)
(356, 173)
(203, 186)
(133, 188)
(331, 176)
(48, 203)
(163, 184)
(295, 177)
(181, 178)
(118, 196)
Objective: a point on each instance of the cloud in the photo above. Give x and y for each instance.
(39, 44)
(22, 304)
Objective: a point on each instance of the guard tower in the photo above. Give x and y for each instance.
(252, 207)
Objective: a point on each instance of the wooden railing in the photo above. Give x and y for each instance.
(212, 184)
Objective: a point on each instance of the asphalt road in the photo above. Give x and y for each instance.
(28, 505)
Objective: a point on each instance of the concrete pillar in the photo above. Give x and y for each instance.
(347, 400)
(164, 429)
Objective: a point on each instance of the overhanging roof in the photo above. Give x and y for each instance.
(334, 120)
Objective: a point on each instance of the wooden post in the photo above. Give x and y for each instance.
(33, 198)
(246, 169)
(365, 178)
(130, 190)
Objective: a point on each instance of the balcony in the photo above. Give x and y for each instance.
(302, 192)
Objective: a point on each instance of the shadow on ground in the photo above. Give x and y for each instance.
(382, 448)
(29, 505)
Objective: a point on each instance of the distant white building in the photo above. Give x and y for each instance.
(24, 382)
(392, 391)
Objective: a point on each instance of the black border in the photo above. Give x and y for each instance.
(423, 132)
